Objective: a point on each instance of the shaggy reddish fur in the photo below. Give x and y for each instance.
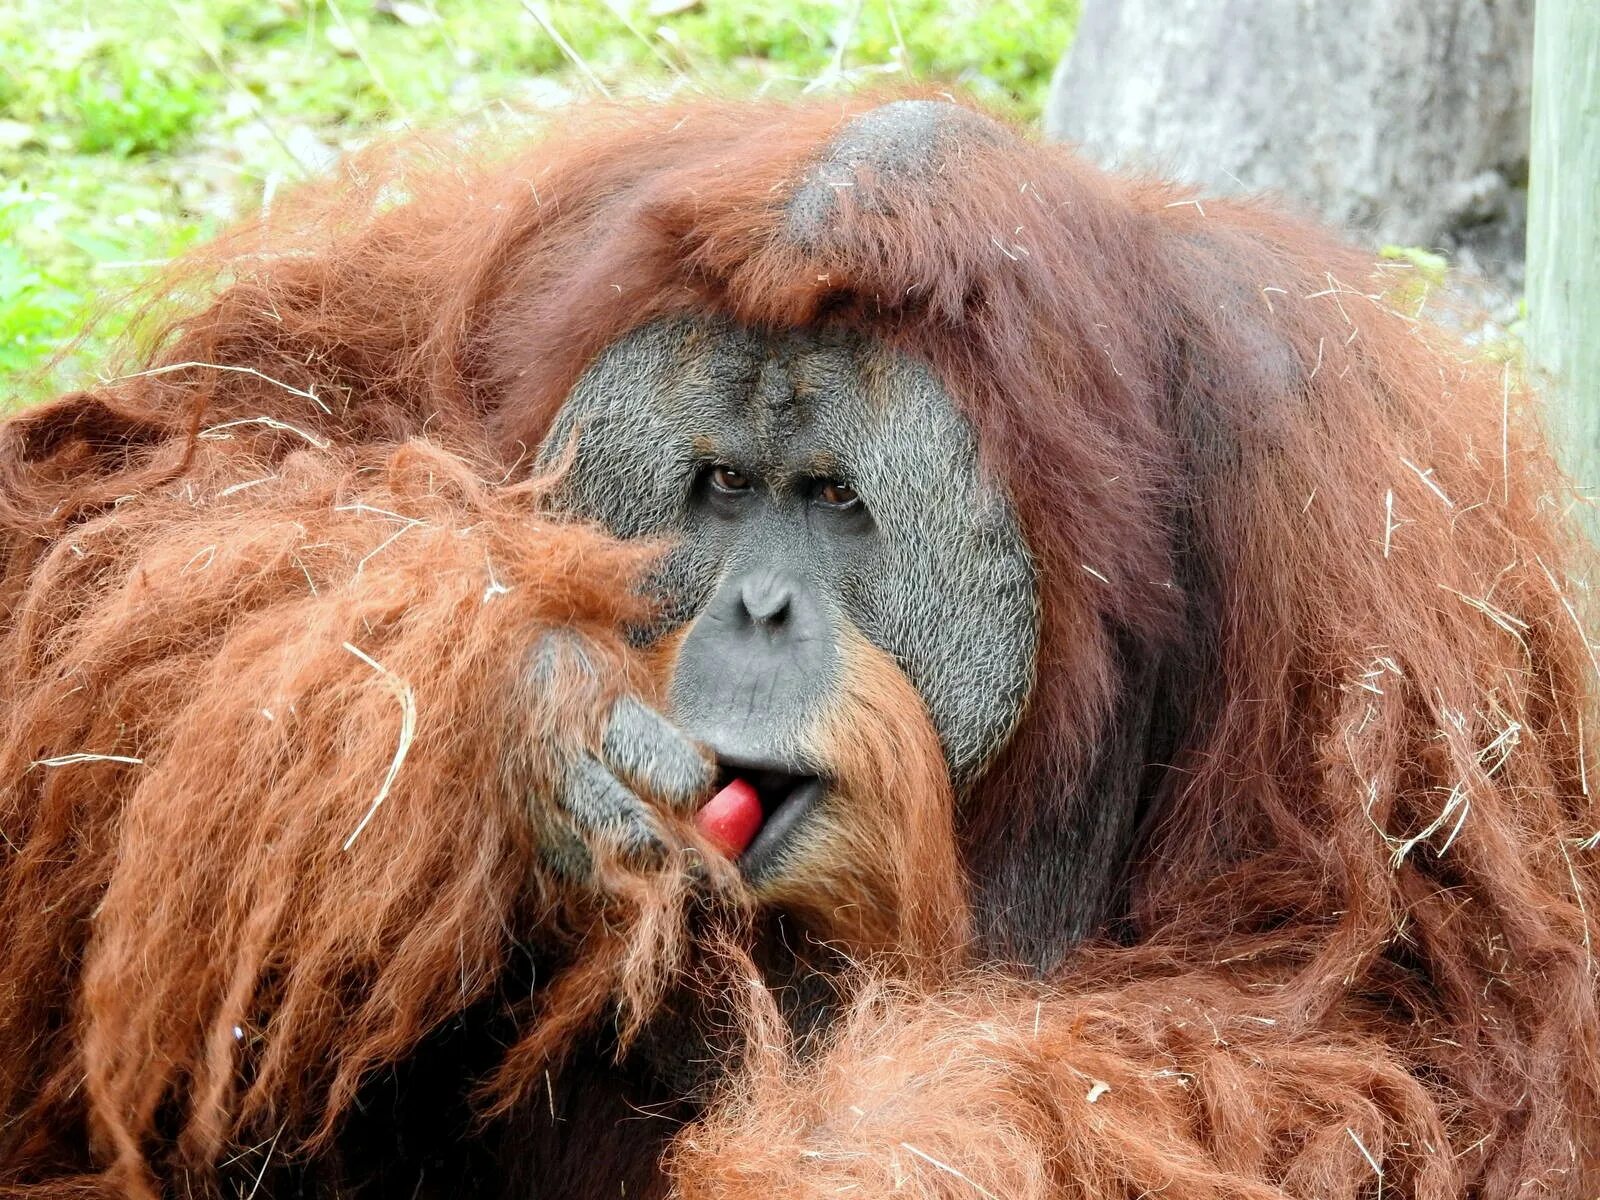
(1356, 951)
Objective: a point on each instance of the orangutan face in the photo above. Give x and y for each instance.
(830, 526)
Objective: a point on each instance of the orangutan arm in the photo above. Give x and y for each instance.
(287, 736)
(1000, 1089)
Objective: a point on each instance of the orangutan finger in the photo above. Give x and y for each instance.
(648, 751)
(606, 812)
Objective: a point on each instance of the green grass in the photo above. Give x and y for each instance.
(130, 129)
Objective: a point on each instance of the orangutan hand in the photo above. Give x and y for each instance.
(606, 774)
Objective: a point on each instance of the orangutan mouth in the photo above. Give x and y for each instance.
(785, 802)
(755, 809)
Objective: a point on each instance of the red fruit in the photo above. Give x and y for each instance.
(731, 819)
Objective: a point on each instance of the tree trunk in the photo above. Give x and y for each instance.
(1564, 234)
(1405, 118)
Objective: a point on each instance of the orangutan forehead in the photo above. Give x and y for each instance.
(819, 402)
(791, 392)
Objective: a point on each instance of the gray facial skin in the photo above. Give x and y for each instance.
(928, 565)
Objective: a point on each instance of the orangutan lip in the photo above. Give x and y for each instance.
(786, 797)
(781, 821)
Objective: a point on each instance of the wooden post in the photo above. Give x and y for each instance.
(1564, 235)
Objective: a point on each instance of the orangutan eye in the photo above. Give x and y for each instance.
(837, 495)
(729, 479)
